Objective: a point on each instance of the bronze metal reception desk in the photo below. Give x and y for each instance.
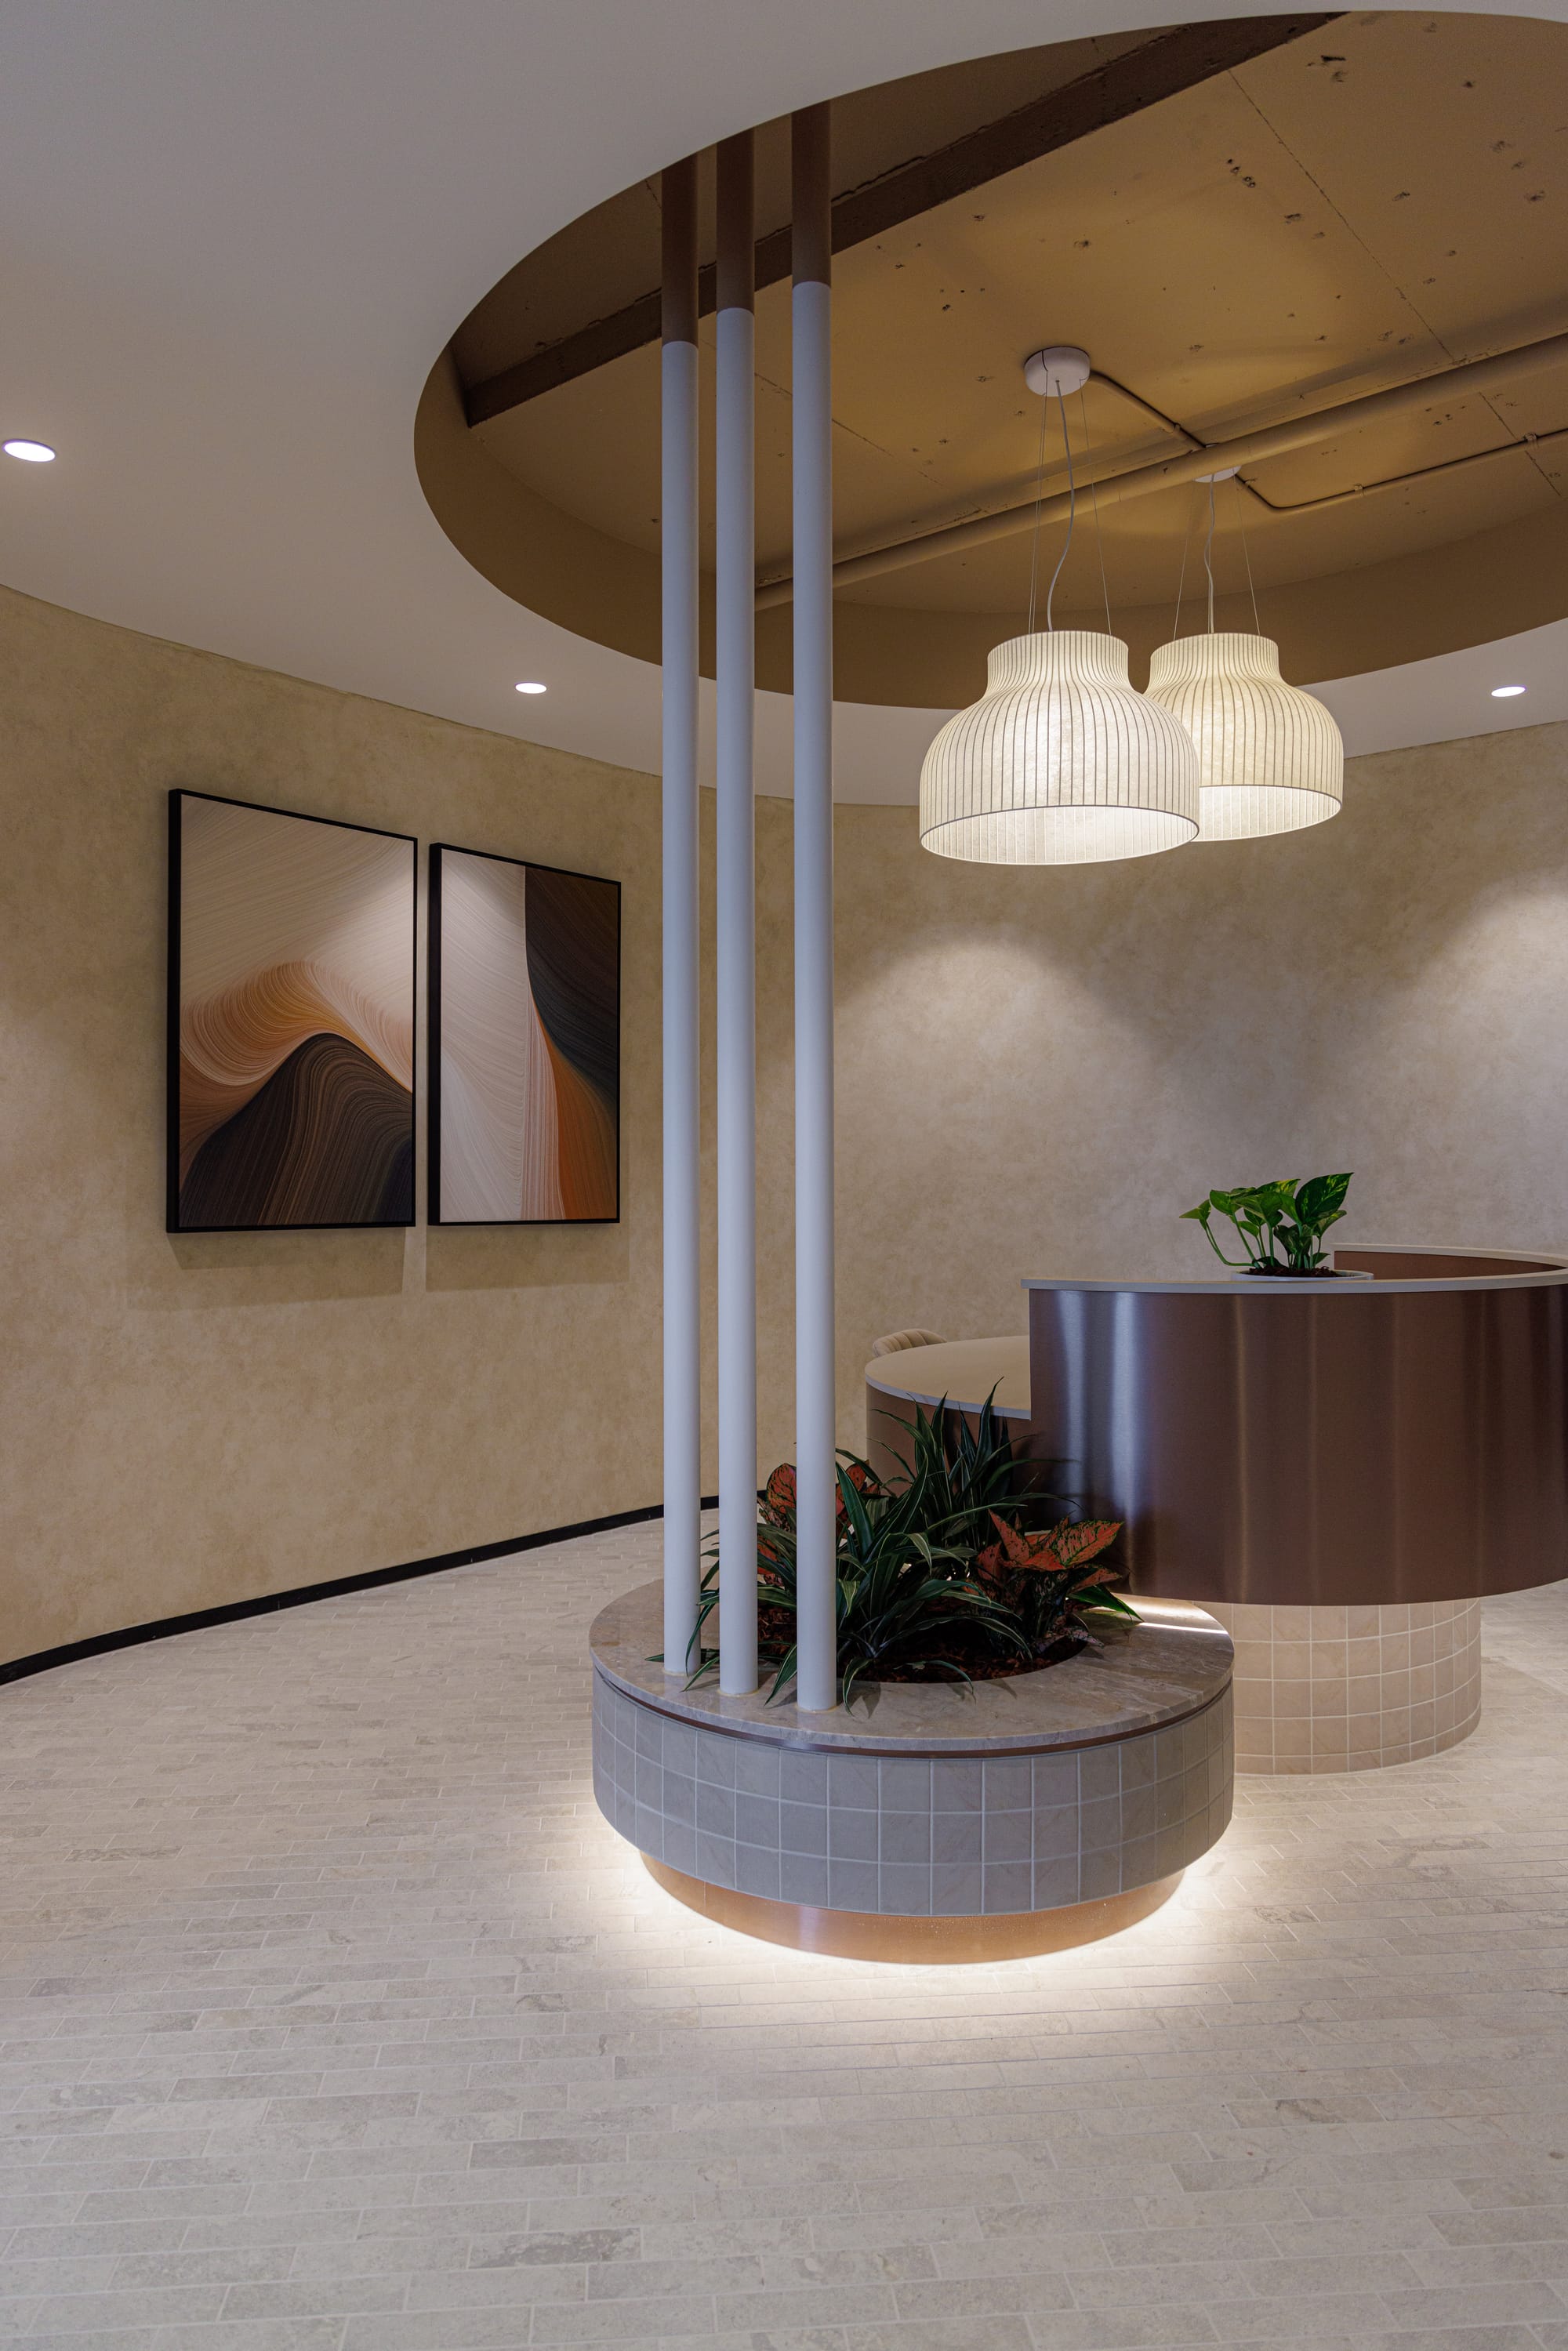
(1402, 1438)
(1338, 1472)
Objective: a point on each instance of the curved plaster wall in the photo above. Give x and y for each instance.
(1035, 1069)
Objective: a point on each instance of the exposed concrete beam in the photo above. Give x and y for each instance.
(1159, 68)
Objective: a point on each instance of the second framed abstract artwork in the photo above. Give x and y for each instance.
(525, 1043)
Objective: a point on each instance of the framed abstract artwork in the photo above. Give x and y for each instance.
(291, 1007)
(525, 1043)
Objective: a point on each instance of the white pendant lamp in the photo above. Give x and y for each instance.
(1061, 762)
(1270, 757)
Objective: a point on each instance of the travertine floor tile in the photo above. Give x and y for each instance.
(333, 2018)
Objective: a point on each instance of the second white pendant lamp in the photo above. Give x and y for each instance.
(1061, 762)
(1270, 757)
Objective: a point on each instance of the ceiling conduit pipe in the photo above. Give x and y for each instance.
(1470, 378)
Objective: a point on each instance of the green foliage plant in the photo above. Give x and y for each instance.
(946, 1571)
(1281, 1225)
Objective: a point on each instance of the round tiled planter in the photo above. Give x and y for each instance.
(933, 1823)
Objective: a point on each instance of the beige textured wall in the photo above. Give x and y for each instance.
(1039, 1069)
(1036, 1072)
(188, 1420)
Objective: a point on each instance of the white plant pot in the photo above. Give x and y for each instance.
(1300, 1281)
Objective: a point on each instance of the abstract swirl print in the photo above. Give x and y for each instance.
(292, 998)
(525, 1043)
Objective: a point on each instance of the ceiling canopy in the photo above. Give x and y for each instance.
(1246, 225)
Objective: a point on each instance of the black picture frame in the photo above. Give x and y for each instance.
(174, 1222)
(438, 849)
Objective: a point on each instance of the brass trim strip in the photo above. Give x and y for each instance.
(913, 1942)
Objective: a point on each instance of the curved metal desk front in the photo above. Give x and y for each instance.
(1402, 1439)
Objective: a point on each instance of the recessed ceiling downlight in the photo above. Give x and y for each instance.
(1505, 693)
(531, 685)
(31, 453)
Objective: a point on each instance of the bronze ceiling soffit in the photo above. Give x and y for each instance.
(1162, 67)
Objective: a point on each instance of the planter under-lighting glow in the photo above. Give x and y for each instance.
(1060, 763)
(1270, 757)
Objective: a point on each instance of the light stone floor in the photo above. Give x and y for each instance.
(335, 2019)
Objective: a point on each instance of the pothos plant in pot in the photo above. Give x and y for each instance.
(1280, 1226)
(957, 1567)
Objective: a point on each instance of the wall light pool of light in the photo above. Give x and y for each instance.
(31, 453)
(1506, 693)
(531, 685)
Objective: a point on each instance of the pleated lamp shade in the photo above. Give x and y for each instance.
(1270, 757)
(1059, 762)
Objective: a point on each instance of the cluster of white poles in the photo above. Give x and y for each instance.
(735, 616)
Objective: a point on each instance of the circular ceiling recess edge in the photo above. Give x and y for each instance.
(1317, 257)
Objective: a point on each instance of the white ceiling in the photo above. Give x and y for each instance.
(234, 237)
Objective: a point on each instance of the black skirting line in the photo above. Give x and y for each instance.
(130, 1637)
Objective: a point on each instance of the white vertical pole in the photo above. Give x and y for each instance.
(736, 590)
(678, 538)
(816, 1434)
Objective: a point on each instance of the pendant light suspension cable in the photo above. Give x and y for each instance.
(1181, 577)
(1207, 551)
(1095, 495)
(1039, 494)
(1246, 551)
(1071, 517)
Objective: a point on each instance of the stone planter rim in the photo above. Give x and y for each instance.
(1173, 1665)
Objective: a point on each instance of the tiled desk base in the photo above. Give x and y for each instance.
(912, 1837)
(1349, 1689)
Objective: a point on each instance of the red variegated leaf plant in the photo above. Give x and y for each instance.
(1071, 1544)
(1047, 1575)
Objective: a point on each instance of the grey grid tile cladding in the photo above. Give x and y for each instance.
(916, 1836)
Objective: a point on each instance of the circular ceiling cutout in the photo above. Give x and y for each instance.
(1246, 225)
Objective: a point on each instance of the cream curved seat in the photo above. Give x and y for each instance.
(895, 1339)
